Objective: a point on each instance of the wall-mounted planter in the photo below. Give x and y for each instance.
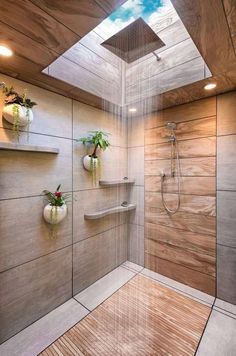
(90, 163)
(54, 214)
(25, 116)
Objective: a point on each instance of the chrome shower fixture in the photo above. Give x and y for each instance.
(174, 167)
(171, 126)
(2, 85)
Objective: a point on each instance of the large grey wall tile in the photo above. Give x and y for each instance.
(136, 131)
(33, 289)
(136, 244)
(87, 118)
(52, 115)
(136, 196)
(89, 201)
(39, 335)
(98, 255)
(226, 218)
(136, 164)
(219, 338)
(226, 273)
(226, 162)
(113, 166)
(25, 174)
(29, 237)
(102, 289)
(226, 112)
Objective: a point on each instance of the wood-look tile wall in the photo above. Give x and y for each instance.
(36, 272)
(182, 246)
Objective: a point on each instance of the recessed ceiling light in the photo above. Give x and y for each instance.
(132, 110)
(5, 51)
(210, 86)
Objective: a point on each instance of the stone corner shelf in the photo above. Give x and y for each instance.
(107, 183)
(12, 146)
(116, 209)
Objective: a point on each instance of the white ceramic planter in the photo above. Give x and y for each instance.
(24, 117)
(88, 165)
(54, 214)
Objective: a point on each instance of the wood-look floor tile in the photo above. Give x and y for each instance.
(143, 318)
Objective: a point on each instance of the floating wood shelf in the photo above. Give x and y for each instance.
(12, 146)
(107, 183)
(116, 209)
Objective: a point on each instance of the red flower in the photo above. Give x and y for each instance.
(58, 194)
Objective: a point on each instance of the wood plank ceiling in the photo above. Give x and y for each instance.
(39, 32)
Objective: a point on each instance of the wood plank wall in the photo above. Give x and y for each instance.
(182, 246)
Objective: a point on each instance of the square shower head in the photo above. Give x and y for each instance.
(134, 41)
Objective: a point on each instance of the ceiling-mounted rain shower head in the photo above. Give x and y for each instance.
(171, 125)
(134, 41)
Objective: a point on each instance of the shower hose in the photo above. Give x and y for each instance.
(174, 143)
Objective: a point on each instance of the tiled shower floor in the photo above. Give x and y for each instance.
(132, 311)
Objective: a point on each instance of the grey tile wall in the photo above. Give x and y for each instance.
(37, 270)
(226, 197)
(136, 192)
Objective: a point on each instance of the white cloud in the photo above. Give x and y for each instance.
(160, 15)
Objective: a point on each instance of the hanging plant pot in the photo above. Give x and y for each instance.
(90, 163)
(15, 112)
(54, 214)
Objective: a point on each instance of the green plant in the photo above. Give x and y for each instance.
(57, 198)
(12, 97)
(98, 139)
(56, 201)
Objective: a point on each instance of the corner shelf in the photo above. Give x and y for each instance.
(12, 146)
(116, 209)
(107, 183)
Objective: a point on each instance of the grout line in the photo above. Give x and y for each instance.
(72, 205)
(182, 265)
(100, 233)
(82, 304)
(221, 244)
(179, 229)
(36, 258)
(216, 202)
(203, 332)
(182, 122)
(226, 135)
(185, 139)
(183, 248)
(32, 196)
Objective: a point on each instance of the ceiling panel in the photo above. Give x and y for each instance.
(25, 47)
(81, 16)
(110, 5)
(30, 20)
(207, 25)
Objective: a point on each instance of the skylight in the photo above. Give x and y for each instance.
(96, 69)
(149, 10)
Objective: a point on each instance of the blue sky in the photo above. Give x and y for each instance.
(149, 10)
(144, 8)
